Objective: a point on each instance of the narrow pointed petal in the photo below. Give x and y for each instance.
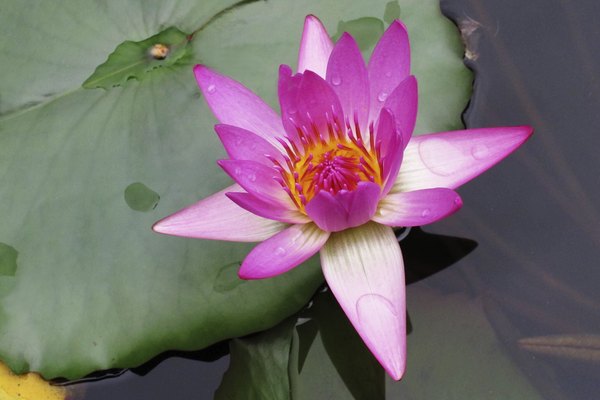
(242, 144)
(307, 102)
(234, 104)
(268, 210)
(420, 207)
(315, 47)
(283, 251)
(287, 90)
(346, 209)
(347, 75)
(449, 159)
(258, 180)
(217, 217)
(390, 141)
(403, 103)
(389, 64)
(364, 270)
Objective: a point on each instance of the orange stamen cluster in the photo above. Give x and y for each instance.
(335, 161)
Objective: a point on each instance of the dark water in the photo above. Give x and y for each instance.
(536, 218)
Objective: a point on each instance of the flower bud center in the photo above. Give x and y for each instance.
(334, 163)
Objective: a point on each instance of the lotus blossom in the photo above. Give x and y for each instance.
(334, 173)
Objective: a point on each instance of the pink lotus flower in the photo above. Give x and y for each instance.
(334, 173)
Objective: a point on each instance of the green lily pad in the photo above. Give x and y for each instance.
(263, 358)
(134, 60)
(95, 288)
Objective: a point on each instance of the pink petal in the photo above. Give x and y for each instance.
(307, 102)
(345, 209)
(403, 103)
(268, 210)
(216, 217)
(347, 74)
(390, 142)
(258, 180)
(364, 269)
(287, 90)
(449, 159)
(315, 47)
(283, 251)
(389, 64)
(234, 104)
(420, 207)
(242, 144)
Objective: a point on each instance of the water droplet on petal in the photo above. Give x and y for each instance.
(426, 213)
(382, 96)
(292, 111)
(237, 171)
(458, 200)
(388, 74)
(252, 177)
(279, 251)
(336, 80)
(480, 151)
(211, 89)
(441, 157)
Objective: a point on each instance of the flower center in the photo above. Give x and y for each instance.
(334, 162)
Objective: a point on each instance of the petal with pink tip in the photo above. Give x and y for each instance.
(416, 208)
(345, 209)
(315, 47)
(268, 210)
(217, 217)
(307, 102)
(347, 75)
(242, 144)
(364, 270)
(389, 64)
(403, 103)
(389, 141)
(449, 159)
(258, 180)
(234, 104)
(283, 251)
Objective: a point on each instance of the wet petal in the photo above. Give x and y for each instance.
(449, 159)
(403, 103)
(346, 209)
(234, 104)
(217, 217)
(364, 269)
(389, 64)
(268, 210)
(390, 142)
(315, 47)
(258, 180)
(347, 74)
(242, 144)
(307, 102)
(283, 251)
(420, 207)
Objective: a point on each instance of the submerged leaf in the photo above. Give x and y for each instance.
(578, 347)
(134, 60)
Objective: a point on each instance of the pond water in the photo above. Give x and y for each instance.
(534, 275)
